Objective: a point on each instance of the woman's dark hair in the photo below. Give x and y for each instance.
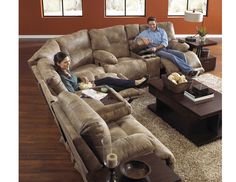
(151, 18)
(58, 58)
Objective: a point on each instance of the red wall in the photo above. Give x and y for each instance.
(31, 21)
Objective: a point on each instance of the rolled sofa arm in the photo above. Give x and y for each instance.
(104, 57)
(114, 111)
(174, 44)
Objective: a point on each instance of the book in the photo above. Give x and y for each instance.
(197, 98)
(195, 94)
(94, 94)
(200, 89)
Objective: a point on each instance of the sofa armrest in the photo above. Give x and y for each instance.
(153, 64)
(132, 93)
(104, 57)
(112, 112)
(174, 44)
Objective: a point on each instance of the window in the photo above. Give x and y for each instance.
(125, 7)
(177, 7)
(62, 7)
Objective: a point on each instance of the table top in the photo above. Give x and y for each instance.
(198, 43)
(202, 109)
(160, 172)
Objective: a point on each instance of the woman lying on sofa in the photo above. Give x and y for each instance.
(72, 83)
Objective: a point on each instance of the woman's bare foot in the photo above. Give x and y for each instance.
(140, 81)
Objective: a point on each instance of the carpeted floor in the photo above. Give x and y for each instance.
(193, 164)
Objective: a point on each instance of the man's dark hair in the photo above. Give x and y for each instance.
(151, 18)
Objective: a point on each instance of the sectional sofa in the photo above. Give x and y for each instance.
(84, 122)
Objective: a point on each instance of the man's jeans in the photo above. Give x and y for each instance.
(176, 57)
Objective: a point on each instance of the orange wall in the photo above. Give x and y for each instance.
(31, 21)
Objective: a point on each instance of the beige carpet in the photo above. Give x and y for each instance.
(195, 164)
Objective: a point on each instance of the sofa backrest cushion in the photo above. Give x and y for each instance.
(86, 121)
(50, 76)
(86, 154)
(132, 30)
(78, 46)
(112, 39)
(48, 50)
(167, 26)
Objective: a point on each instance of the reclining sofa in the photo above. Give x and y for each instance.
(84, 122)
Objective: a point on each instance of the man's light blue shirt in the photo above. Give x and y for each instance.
(157, 37)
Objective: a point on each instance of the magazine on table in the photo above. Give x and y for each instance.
(94, 94)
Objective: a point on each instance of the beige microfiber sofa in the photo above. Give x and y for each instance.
(83, 122)
(84, 129)
(109, 50)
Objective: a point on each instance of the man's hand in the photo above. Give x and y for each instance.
(146, 41)
(153, 49)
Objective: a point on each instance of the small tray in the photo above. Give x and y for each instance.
(135, 169)
(180, 88)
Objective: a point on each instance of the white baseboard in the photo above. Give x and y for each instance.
(208, 35)
(38, 36)
(53, 36)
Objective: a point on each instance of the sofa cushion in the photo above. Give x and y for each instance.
(127, 133)
(89, 70)
(132, 68)
(85, 120)
(112, 112)
(87, 155)
(132, 93)
(50, 76)
(169, 28)
(104, 57)
(169, 66)
(132, 30)
(48, 50)
(78, 46)
(192, 60)
(112, 39)
(174, 44)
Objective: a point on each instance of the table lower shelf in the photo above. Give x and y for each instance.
(200, 135)
(208, 63)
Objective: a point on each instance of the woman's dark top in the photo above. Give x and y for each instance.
(71, 83)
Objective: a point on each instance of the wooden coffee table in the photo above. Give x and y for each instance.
(160, 172)
(200, 123)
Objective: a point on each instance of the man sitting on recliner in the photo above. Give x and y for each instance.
(156, 40)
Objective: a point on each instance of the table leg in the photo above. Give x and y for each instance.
(198, 52)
